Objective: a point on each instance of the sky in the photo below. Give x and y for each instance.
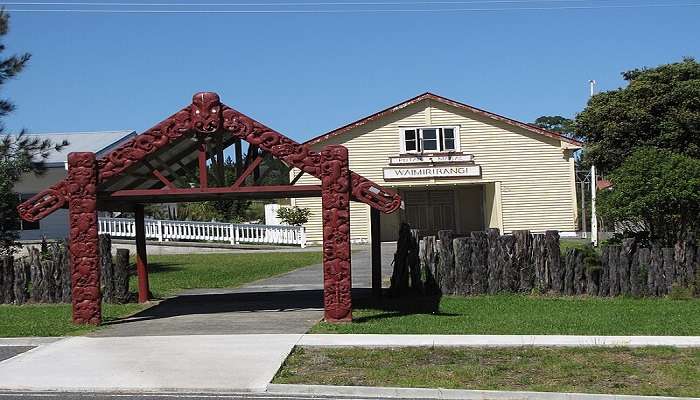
(304, 74)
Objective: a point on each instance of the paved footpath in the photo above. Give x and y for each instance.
(201, 340)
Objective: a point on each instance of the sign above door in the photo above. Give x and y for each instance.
(416, 166)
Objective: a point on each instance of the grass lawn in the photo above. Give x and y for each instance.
(524, 315)
(643, 371)
(168, 275)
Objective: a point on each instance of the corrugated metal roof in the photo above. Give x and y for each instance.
(99, 143)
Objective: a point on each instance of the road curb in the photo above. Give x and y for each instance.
(29, 341)
(379, 340)
(425, 393)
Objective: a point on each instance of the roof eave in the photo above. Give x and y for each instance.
(574, 144)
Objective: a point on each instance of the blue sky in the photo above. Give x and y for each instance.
(306, 74)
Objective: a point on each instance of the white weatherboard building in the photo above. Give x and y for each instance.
(55, 226)
(456, 167)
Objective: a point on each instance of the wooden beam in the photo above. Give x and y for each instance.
(239, 157)
(296, 178)
(194, 194)
(203, 164)
(251, 167)
(376, 251)
(141, 256)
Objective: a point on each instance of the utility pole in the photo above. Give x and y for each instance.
(594, 188)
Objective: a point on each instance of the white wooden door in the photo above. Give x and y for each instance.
(430, 211)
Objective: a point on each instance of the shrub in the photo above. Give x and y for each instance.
(293, 215)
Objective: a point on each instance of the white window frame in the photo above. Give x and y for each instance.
(419, 135)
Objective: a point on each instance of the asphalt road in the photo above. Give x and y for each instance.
(7, 352)
(165, 396)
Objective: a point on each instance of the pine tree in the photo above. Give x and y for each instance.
(19, 154)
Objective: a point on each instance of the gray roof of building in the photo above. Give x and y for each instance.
(99, 143)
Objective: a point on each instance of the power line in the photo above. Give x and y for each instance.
(284, 4)
(348, 11)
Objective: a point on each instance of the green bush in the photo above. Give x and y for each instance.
(293, 215)
(658, 192)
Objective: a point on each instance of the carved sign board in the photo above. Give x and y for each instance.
(447, 171)
(425, 159)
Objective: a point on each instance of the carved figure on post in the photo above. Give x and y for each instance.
(335, 203)
(84, 253)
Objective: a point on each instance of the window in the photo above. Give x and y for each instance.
(430, 139)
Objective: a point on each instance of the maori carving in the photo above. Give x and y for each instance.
(208, 116)
(300, 156)
(204, 117)
(368, 192)
(44, 203)
(85, 269)
(335, 199)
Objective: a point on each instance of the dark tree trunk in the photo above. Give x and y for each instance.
(624, 265)
(510, 276)
(604, 289)
(7, 280)
(106, 269)
(643, 258)
(613, 262)
(569, 269)
(554, 260)
(523, 260)
(539, 261)
(669, 268)
(121, 276)
(493, 256)
(656, 272)
(446, 262)
(429, 265)
(462, 255)
(479, 262)
(414, 263)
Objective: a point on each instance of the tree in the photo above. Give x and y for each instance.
(558, 124)
(19, 155)
(660, 107)
(657, 191)
(293, 215)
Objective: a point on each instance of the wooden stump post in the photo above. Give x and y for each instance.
(523, 262)
(510, 276)
(121, 276)
(538, 259)
(604, 289)
(569, 270)
(613, 263)
(479, 262)
(429, 265)
(7, 279)
(446, 263)
(462, 257)
(106, 269)
(492, 258)
(553, 260)
(624, 266)
(643, 258)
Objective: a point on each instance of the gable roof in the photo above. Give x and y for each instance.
(99, 143)
(430, 96)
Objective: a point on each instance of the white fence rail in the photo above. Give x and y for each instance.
(209, 231)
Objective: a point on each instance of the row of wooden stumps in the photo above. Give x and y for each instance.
(43, 275)
(490, 263)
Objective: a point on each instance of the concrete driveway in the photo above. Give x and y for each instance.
(288, 303)
(200, 340)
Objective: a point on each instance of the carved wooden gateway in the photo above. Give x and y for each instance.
(147, 170)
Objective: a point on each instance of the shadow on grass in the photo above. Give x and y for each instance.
(290, 300)
(393, 307)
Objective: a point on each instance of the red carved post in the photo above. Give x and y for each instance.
(335, 195)
(85, 267)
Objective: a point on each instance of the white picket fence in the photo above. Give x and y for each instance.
(163, 230)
